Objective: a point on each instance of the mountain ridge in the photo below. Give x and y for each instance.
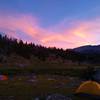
(88, 49)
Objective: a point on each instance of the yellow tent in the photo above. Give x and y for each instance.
(89, 87)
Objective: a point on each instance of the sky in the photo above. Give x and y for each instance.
(52, 23)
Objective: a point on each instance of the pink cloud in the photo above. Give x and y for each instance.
(23, 23)
(82, 33)
(60, 35)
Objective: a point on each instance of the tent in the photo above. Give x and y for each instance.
(3, 77)
(89, 87)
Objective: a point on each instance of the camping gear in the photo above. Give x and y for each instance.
(89, 87)
(3, 77)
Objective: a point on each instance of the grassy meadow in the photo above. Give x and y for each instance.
(26, 87)
(39, 79)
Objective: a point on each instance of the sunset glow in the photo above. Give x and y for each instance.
(62, 33)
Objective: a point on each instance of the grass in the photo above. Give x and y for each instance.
(23, 90)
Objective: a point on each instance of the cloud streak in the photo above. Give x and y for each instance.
(66, 34)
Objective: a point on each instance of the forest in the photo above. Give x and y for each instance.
(9, 46)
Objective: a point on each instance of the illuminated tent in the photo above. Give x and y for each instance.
(89, 87)
(3, 77)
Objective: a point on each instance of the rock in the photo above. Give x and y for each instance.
(57, 97)
(37, 98)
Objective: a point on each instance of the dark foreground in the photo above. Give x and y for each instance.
(41, 86)
(38, 87)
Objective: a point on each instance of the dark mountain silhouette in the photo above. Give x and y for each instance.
(88, 49)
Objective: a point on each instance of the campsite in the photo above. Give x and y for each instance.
(39, 86)
(49, 49)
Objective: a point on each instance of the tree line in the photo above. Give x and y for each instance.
(9, 46)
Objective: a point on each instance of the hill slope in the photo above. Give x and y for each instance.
(88, 49)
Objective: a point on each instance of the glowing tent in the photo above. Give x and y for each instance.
(89, 87)
(3, 77)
